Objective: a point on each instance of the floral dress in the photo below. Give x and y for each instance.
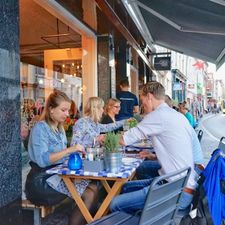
(85, 130)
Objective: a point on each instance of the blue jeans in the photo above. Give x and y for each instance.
(134, 193)
(132, 198)
(148, 169)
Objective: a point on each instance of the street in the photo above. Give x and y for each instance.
(213, 126)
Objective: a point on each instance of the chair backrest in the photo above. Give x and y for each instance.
(200, 134)
(222, 144)
(162, 201)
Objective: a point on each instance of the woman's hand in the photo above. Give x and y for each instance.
(147, 155)
(76, 148)
(100, 138)
(54, 157)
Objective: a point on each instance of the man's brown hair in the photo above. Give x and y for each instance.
(124, 83)
(155, 88)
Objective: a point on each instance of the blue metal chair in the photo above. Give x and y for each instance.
(222, 144)
(200, 134)
(161, 203)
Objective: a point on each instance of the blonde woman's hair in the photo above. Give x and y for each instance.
(53, 101)
(92, 108)
(110, 103)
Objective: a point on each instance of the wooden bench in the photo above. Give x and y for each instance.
(39, 211)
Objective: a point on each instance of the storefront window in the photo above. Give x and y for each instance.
(35, 88)
(53, 56)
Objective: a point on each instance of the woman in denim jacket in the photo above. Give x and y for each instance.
(48, 147)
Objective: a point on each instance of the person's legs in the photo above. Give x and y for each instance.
(135, 185)
(185, 201)
(148, 169)
(90, 198)
(129, 202)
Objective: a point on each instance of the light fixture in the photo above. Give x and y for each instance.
(41, 81)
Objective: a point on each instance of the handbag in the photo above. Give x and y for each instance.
(37, 189)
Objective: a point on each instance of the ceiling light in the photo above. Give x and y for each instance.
(41, 81)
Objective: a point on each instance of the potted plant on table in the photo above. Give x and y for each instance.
(112, 153)
(132, 122)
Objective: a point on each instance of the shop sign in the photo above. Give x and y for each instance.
(162, 63)
(177, 86)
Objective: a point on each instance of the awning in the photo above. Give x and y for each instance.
(192, 27)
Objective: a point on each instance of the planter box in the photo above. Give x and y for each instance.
(113, 161)
(93, 166)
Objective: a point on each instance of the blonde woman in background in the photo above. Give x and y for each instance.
(87, 129)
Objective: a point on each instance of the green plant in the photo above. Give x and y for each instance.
(132, 122)
(111, 142)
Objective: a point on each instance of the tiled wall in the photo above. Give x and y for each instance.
(10, 150)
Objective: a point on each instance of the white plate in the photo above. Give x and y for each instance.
(143, 145)
(128, 161)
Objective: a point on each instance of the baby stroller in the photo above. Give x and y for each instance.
(209, 199)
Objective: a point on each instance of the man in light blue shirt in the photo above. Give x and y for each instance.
(171, 135)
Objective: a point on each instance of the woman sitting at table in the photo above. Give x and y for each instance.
(86, 130)
(48, 147)
(112, 109)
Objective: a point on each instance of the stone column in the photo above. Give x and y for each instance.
(10, 144)
(121, 60)
(106, 68)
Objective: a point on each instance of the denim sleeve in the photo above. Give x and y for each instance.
(38, 145)
(111, 126)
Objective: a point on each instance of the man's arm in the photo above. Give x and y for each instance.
(121, 141)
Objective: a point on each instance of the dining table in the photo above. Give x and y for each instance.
(126, 172)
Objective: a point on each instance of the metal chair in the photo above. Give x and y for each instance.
(200, 134)
(222, 144)
(160, 206)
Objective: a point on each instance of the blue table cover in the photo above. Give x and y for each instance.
(125, 170)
